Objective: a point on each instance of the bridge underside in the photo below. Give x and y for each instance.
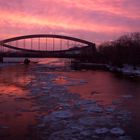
(45, 55)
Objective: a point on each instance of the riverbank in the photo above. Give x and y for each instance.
(126, 70)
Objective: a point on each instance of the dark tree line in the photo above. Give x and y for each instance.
(124, 50)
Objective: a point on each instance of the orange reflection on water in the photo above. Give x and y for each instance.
(11, 89)
(101, 86)
(14, 99)
(61, 80)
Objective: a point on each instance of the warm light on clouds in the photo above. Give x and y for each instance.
(98, 20)
(115, 7)
(18, 18)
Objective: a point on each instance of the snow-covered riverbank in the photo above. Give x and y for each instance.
(128, 70)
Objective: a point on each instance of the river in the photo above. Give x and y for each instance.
(49, 94)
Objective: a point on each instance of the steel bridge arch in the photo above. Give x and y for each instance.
(3, 42)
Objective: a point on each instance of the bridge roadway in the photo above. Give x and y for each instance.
(55, 54)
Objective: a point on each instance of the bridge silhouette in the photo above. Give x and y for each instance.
(45, 45)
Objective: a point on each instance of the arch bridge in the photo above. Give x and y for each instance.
(45, 45)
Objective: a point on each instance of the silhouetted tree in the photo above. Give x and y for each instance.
(126, 49)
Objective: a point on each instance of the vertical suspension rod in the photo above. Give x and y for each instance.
(46, 44)
(68, 44)
(31, 43)
(53, 44)
(39, 43)
(24, 43)
(16, 43)
(61, 44)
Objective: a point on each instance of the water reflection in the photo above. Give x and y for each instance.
(106, 88)
(16, 75)
(13, 82)
(103, 85)
(18, 82)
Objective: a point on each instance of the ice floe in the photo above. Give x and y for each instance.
(58, 115)
(117, 131)
(100, 131)
(127, 96)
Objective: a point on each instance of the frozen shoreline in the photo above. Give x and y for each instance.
(127, 70)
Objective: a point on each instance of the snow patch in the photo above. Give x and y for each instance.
(100, 131)
(117, 131)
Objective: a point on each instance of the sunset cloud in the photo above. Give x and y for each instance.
(101, 19)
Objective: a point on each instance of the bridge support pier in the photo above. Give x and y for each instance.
(1, 59)
(26, 61)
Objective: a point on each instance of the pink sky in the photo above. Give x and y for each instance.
(93, 20)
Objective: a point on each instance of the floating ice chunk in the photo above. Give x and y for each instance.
(3, 127)
(83, 81)
(59, 135)
(62, 114)
(105, 121)
(100, 121)
(127, 96)
(116, 102)
(110, 109)
(75, 126)
(70, 84)
(117, 131)
(54, 95)
(64, 105)
(124, 115)
(58, 125)
(93, 108)
(42, 125)
(125, 138)
(100, 131)
(58, 115)
(85, 102)
(46, 88)
(85, 133)
(87, 121)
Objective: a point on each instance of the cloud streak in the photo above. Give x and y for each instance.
(87, 18)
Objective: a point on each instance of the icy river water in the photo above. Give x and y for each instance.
(49, 101)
